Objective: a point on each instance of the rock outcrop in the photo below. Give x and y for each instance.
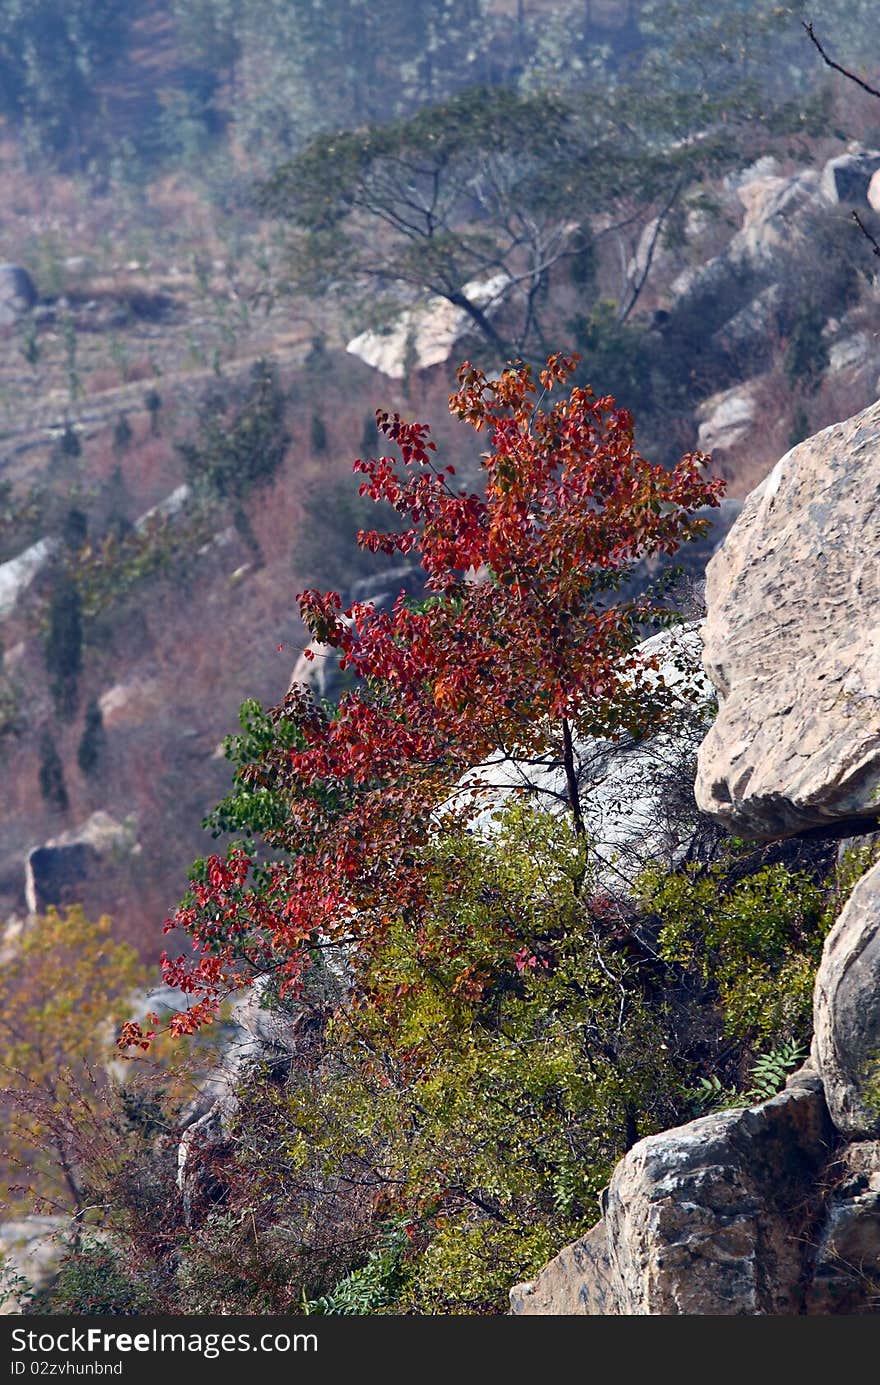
(846, 180)
(424, 335)
(631, 793)
(717, 1217)
(31, 1250)
(56, 872)
(775, 1209)
(792, 644)
(846, 1012)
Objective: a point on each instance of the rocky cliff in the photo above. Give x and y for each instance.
(775, 1208)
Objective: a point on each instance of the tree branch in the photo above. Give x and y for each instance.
(872, 91)
(875, 244)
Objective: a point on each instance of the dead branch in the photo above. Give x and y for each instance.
(872, 91)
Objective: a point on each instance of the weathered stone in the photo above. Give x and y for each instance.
(17, 293)
(635, 796)
(172, 505)
(17, 574)
(716, 1217)
(726, 418)
(791, 644)
(846, 180)
(56, 872)
(846, 1012)
(747, 338)
(773, 220)
(424, 335)
(576, 1283)
(852, 352)
(846, 1273)
(31, 1250)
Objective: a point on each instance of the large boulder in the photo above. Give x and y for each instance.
(726, 418)
(635, 795)
(847, 179)
(425, 334)
(16, 574)
(718, 1217)
(773, 222)
(846, 1012)
(792, 644)
(17, 293)
(31, 1251)
(56, 872)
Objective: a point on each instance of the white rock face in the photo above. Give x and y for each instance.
(852, 352)
(17, 574)
(425, 335)
(846, 1012)
(726, 418)
(792, 643)
(846, 180)
(31, 1248)
(772, 207)
(628, 813)
(167, 508)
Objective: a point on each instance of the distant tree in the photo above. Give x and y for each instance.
(241, 437)
(318, 435)
(122, 434)
(51, 774)
(52, 53)
(63, 642)
(63, 984)
(68, 444)
(153, 405)
(481, 188)
(91, 744)
(386, 58)
(75, 529)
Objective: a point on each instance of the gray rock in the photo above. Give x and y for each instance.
(576, 1283)
(726, 418)
(847, 1262)
(773, 224)
(792, 644)
(17, 293)
(31, 1250)
(716, 1218)
(746, 339)
(852, 352)
(17, 574)
(56, 872)
(635, 797)
(846, 1012)
(425, 334)
(846, 180)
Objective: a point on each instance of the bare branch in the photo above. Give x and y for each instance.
(649, 258)
(875, 244)
(872, 91)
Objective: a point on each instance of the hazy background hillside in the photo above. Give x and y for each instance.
(189, 329)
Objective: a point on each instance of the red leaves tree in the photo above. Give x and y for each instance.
(519, 649)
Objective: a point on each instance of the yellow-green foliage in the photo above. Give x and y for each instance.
(496, 1064)
(755, 941)
(64, 985)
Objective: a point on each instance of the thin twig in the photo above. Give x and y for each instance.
(872, 91)
(875, 244)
